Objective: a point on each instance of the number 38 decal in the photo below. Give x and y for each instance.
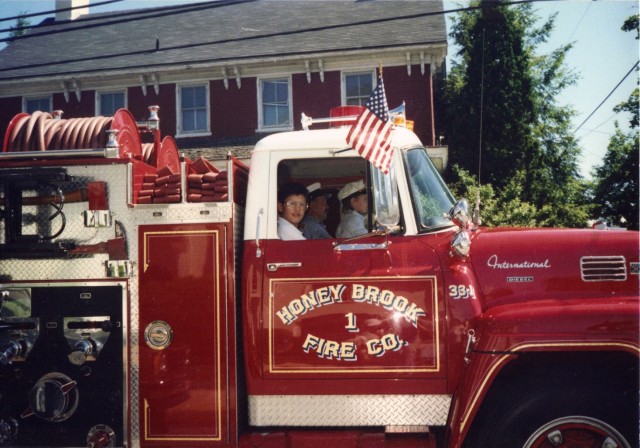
(462, 292)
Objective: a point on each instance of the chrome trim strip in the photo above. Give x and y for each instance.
(349, 410)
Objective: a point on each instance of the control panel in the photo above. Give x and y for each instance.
(62, 364)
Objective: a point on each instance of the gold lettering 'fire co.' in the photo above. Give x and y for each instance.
(329, 295)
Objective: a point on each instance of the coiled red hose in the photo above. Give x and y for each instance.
(40, 132)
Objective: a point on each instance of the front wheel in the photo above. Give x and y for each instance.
(557, 410)
(576, 431)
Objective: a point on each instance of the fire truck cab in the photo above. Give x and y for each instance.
(147, 301)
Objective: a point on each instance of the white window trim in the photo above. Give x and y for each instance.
(37, 97)
(102, 92)
(343, 82)
(179, 131)
(261, 126)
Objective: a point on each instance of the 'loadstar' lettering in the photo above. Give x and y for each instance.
(313, 299)
(388, 300)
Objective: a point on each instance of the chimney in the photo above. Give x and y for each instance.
(82, 5)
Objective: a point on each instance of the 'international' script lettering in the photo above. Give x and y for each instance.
(388, 300)
(309, 301)
(493, 262)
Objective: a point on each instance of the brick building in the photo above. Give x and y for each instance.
(226, 73)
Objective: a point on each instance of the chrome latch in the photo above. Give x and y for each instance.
(471, 340)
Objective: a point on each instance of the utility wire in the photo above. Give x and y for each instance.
(188, 8)
(229, 40)
(45, 13)
(177, 9)
(224, 41)
(152, 14)
(607, 97)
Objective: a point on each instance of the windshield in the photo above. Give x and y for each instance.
(432, 200)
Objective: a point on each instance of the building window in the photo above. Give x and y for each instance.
(356, 88)
(33, 104)
(109, 102)
(275, 103)
(193, 102)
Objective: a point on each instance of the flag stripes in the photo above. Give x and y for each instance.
(370, 135)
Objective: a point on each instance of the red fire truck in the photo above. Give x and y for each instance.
(147, 301)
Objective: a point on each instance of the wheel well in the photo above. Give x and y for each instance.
(581, 367)
(518, 383)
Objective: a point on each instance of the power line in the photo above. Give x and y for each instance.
(45, 13)
(202, 6)
(225, 41)
(229, 40)
(177, 9)
(607, 97)
(151, 14)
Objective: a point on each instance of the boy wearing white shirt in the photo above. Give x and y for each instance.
(292, 205)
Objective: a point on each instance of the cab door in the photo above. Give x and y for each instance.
(365, 312)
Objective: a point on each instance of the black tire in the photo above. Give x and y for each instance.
(526, 414)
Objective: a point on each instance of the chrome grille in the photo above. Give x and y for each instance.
(603, 268)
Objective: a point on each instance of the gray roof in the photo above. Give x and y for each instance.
(220, 33)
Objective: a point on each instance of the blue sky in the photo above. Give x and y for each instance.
(602, 56)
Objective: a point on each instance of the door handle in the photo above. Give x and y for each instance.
(272, 267)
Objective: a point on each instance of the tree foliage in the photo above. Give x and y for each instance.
(18, 30)
(502, 118)
(505, 207)
(616, 180)
(616, 191)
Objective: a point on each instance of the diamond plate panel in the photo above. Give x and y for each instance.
(348, 410)
(77, 267)
(87, 268)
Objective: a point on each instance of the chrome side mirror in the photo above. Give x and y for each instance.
(459, 213)
(461, 244)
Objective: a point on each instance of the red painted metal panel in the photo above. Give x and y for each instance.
(371, 318)
(183, 388)
(336, 438)
(520, 265)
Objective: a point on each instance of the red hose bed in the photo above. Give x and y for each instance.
(40, 132)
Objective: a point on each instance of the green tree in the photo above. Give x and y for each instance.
(498, 209)
(502, 117)
(616, 191)
(616, 181)
(484, 88)
(19, 29)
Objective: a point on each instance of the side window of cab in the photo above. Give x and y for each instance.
(326, 182)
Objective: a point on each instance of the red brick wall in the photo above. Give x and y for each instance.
(9, 108)
(234, 112)
(86, 107)
(317, 98)
(417, 93)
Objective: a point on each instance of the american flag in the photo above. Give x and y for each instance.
(370, 135)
